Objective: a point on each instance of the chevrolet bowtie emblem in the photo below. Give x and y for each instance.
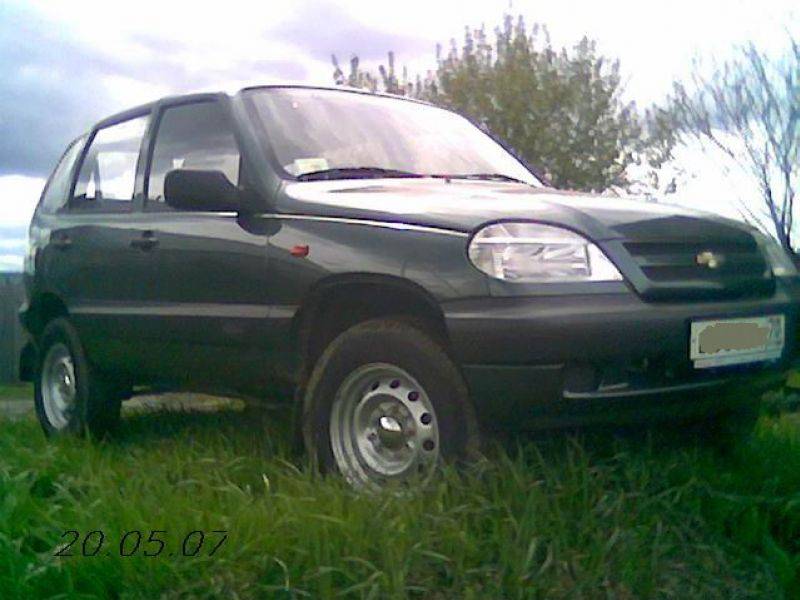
(709, 259)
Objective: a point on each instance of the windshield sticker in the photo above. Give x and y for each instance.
(307, 165)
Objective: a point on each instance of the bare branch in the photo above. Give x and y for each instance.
(748, 109)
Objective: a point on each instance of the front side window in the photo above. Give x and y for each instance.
(55, 193)
(108, 172)
(195, 137)
(334, 133)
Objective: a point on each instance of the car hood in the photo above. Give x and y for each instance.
(462, 205)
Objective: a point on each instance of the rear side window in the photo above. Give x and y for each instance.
(107, 175)
(193, 136)
(56, 191)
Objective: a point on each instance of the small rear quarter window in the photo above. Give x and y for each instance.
(107, 175)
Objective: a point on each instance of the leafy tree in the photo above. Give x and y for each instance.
(748, 112)
(560, 110)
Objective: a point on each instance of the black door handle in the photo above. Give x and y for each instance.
(146, 242)
(62, 242)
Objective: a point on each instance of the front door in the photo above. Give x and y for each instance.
(207, 299)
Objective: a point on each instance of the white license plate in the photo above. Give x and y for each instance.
(720, 342)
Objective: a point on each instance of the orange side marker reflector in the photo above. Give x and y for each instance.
(299, 251)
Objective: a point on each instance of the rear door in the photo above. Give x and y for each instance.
(207, 299)
(98, 273)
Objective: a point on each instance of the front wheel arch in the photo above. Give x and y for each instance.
(338, 303)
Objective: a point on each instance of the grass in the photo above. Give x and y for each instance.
(598, 515)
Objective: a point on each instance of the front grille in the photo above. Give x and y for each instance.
(732, 269)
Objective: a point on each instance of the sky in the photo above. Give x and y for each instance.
(64, 65)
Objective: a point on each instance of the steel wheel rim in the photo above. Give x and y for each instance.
(383, 427)
(58, 386)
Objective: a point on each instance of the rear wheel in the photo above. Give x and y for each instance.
(69, 395)
(385, 403)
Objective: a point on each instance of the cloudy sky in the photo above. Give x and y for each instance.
(64, 65)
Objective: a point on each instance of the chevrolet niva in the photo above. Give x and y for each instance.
(413, 281)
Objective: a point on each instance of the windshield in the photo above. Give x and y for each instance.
(350, 135)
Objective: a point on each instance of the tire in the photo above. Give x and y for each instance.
(385, 403)
(82, 402)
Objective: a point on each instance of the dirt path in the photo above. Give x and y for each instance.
(15, 409)
(19, 409)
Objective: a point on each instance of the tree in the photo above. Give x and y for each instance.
(388, 82)
(560, 110)
(748, 110)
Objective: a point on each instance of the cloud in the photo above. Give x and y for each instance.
(13, 245)
(49, 91)
(11, 262)
(62, 70)
(325, 28)
(18, 197)
(12, 234)
(55, 81)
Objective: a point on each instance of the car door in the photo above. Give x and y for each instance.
(95, 269)
(207, 297)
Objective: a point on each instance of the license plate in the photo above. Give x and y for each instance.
(721, 342)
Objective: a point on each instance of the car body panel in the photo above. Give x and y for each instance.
(204, 294)
(88, 263)
(464, 205)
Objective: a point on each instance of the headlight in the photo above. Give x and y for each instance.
(534, 253)
(777, 257)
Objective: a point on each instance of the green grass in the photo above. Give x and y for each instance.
(593, 516)
(16, 391)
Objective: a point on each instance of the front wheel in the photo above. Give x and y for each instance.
(385, 403)
(69, 396)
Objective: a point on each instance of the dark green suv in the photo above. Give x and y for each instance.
(410, 278)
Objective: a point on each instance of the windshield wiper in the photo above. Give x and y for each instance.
(480, 177)
(354, 173)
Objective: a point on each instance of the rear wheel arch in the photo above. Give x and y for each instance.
(85, 402)
(44, 307)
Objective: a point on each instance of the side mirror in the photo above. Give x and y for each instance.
(186, 189)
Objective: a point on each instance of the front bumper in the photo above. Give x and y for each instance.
(575, 358)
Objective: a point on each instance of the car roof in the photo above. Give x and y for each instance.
(144, 109)
(333, 88)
